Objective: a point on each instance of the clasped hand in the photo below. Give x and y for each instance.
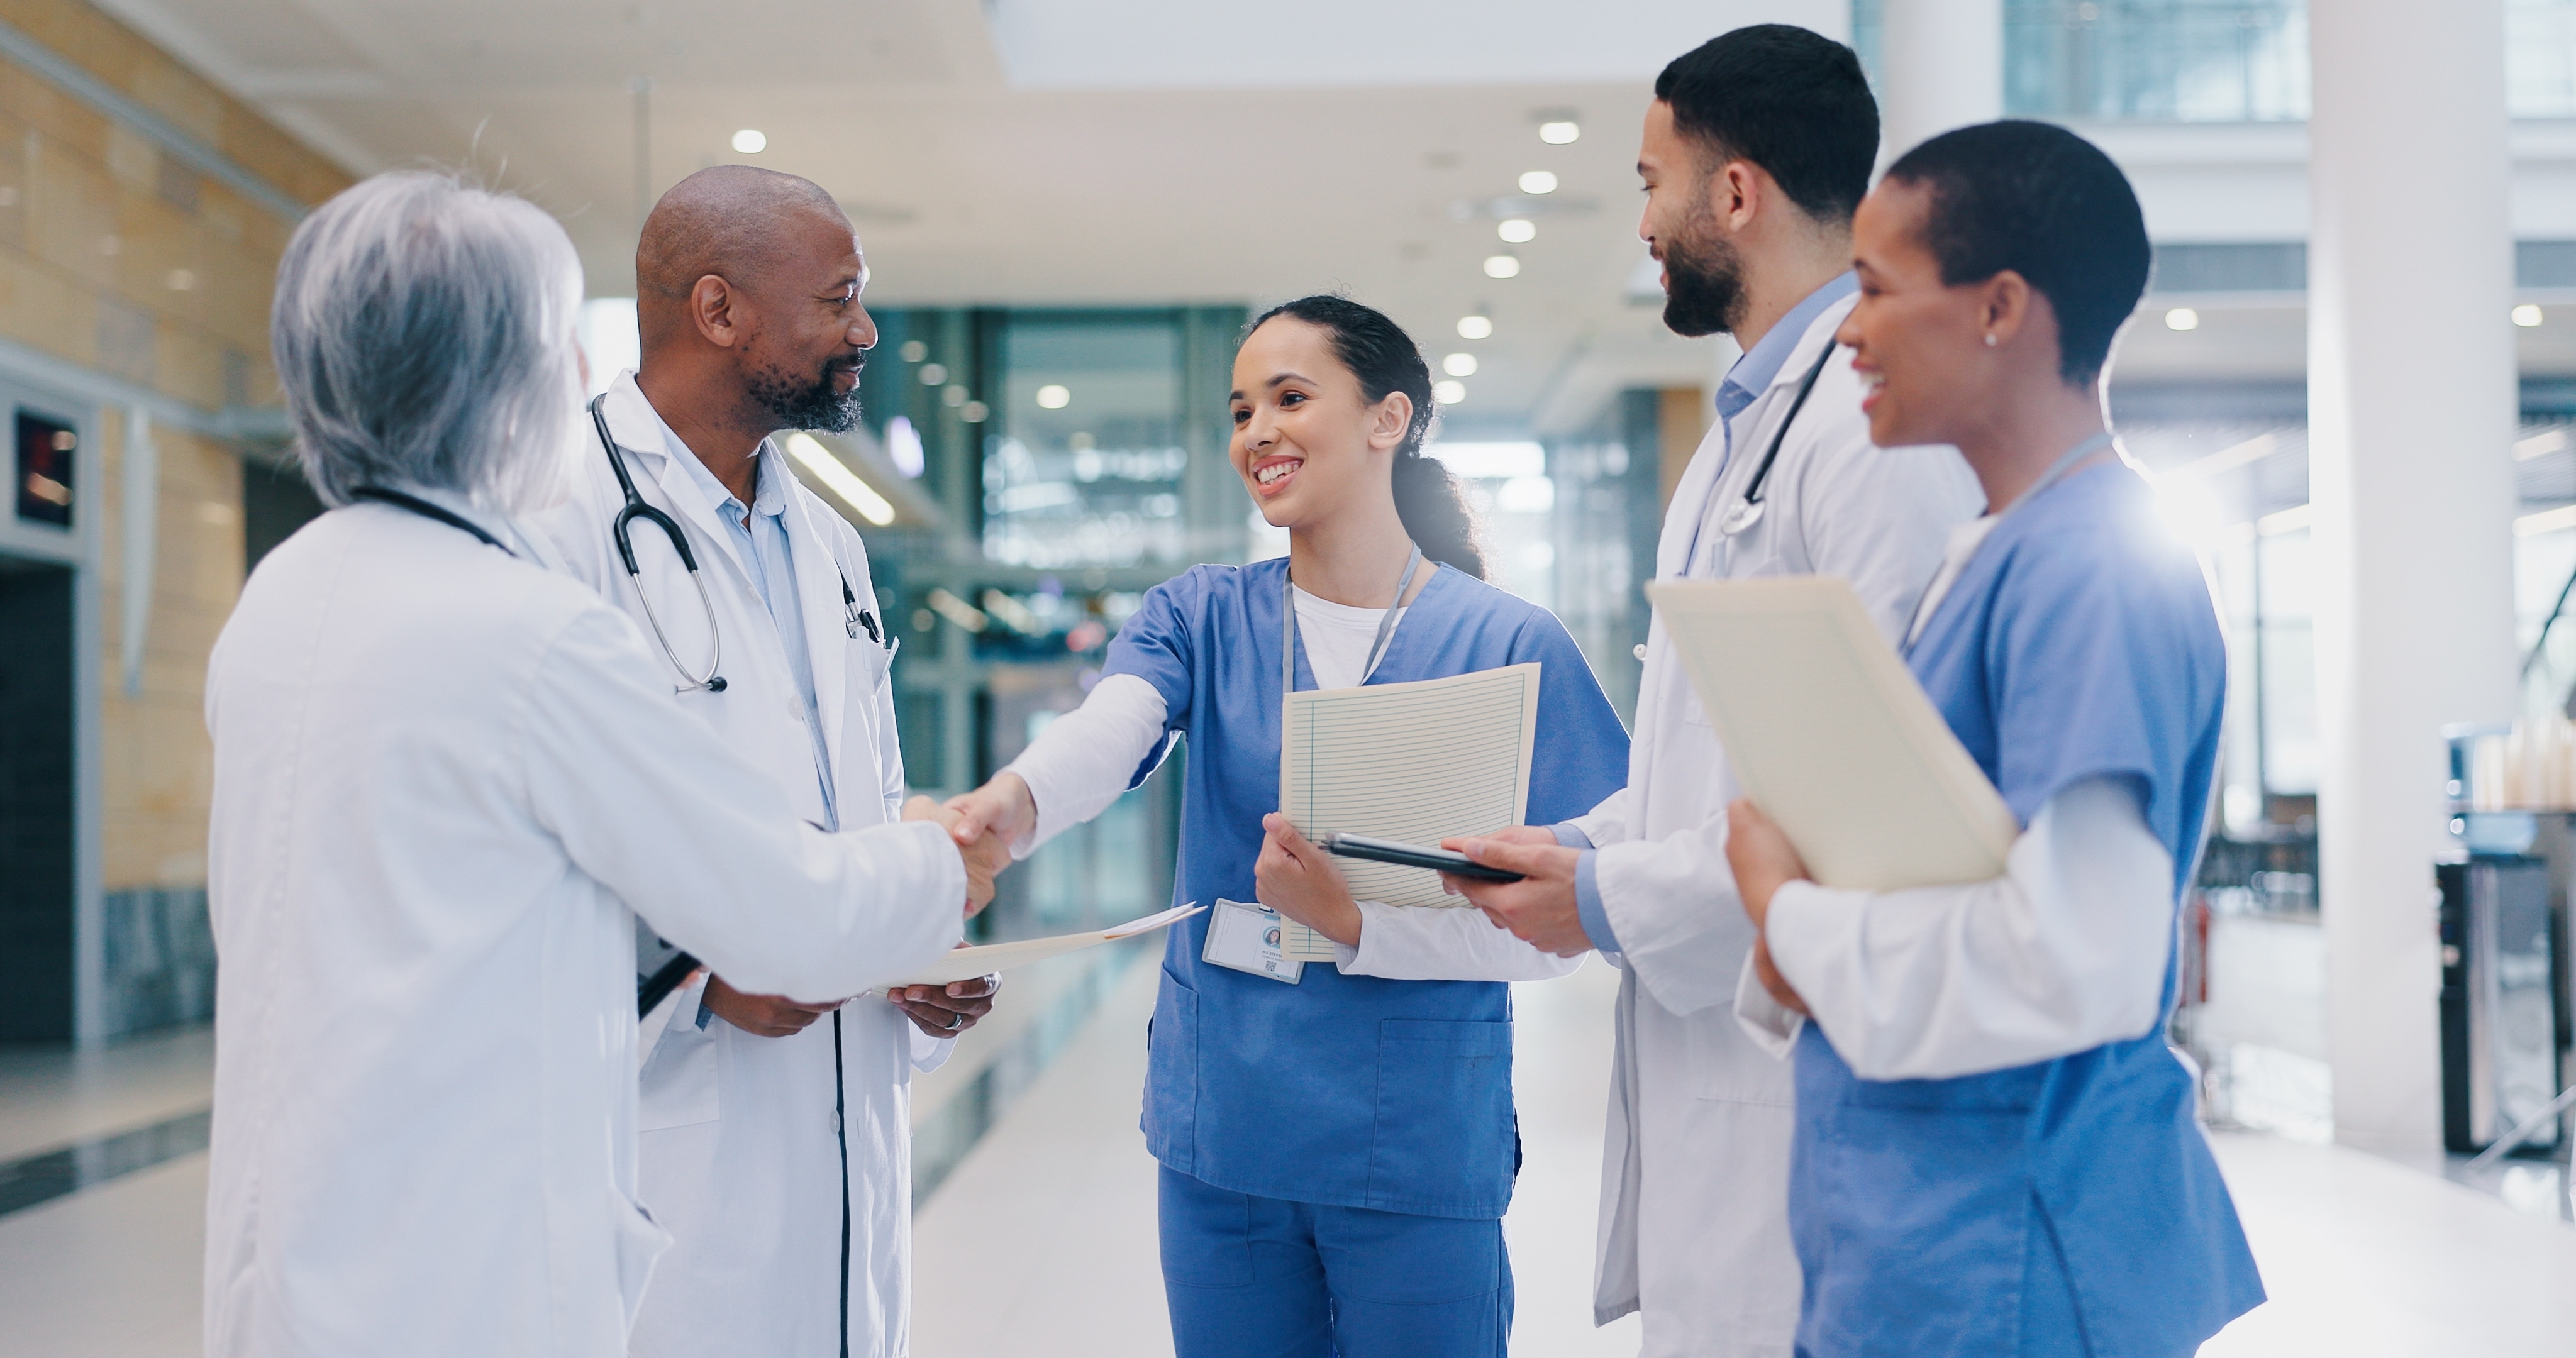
(1302, 883)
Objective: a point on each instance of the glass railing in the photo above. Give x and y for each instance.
(2213, 61)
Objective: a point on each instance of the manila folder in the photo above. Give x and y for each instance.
(965, 964)
(1831, 736)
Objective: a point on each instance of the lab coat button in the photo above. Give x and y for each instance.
(1639, 651)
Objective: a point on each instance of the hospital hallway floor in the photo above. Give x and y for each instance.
(1037, 1236)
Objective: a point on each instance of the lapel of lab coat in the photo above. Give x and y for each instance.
(819, 573)
(1717, 475)
(641, 430)
(651, 459)
(1757, 424)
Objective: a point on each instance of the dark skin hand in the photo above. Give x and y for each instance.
(946, 1011)
(941, 1011)
(762, 1015)
(1764, 862)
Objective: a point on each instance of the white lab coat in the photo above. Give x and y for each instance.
(442, 778)
(1694, 1189)
(740, 1162)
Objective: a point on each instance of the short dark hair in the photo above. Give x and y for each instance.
(1791, 101)
(2048, 205)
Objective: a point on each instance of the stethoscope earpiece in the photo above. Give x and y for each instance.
(715, 683)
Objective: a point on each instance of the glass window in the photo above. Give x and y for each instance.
(2190, 61)
(1085, 464)
(2213, 60)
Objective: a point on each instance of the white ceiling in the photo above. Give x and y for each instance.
(1056, 151)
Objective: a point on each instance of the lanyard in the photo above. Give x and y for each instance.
(2057, 471)
(1377, 648)
(1748, 507)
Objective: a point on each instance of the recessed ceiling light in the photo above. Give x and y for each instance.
(1502, 266)
(1559, 133)
(914, 351)
(1449, 393)
(1538, 181)
(933, 374)
(2527, 315)
(1517, 230)
(2182, 318)
(751, 141)
(1054, 397)
(1459, 365)
(1475, 327)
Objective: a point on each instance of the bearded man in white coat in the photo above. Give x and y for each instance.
(447, 780)
(1756, 151)
(776, 1134)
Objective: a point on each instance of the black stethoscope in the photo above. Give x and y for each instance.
(1748, 507)
(620, 531)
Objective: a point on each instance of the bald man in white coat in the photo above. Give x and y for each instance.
(776, 1135)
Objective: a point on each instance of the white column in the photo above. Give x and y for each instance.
(1940, 66)
(2412, 406)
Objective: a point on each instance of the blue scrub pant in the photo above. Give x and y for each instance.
(1255, 1277)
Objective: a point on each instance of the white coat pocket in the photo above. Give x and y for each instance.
(683, 1074)
(641, 1242)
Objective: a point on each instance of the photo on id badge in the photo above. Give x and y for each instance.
(1250, 938)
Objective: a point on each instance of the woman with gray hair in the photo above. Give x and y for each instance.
(447, 781)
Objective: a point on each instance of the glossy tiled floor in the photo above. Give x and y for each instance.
(1040, 1243)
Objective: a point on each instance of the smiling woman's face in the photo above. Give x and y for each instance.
(1307, 440)
(1918, 344)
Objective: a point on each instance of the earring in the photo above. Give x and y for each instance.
(1990, 339)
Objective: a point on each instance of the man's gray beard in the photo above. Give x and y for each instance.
(814, 405)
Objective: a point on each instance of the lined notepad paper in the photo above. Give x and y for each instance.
(1829, 733)
(1419, 762)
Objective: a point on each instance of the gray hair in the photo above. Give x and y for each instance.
(423, 335)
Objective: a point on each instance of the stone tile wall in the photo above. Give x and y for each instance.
(124, 259)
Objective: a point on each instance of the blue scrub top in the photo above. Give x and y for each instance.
(2080, 642)
(1352, 1091)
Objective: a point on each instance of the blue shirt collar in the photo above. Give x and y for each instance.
(1760, 367)
(768, 498)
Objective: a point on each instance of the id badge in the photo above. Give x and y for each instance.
(1248, 938)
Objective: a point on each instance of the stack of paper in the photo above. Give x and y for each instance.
(1830, 735)
(1417, 763)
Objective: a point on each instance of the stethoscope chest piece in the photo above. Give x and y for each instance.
(1740, 516)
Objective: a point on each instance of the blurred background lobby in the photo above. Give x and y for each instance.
(1070, 208)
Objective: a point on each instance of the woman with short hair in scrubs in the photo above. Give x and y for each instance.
(1336, 1153)
(1996, 1152)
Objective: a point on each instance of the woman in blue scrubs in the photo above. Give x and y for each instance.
(1996, 1152)
(1337, 1153)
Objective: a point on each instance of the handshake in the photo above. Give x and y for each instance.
(985, 823)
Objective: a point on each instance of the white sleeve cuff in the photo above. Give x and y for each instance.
(928, 1053)
(1428, 943)
(1772, 1026)
(1083, 760)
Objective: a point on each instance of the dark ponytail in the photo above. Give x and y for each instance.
(1429, 498)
